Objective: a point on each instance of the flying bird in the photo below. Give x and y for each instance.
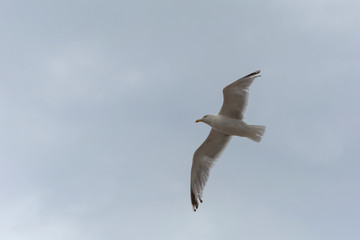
(227, 123)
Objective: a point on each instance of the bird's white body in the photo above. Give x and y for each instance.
(230, 126)
(234, 127)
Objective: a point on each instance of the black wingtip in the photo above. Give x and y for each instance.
(194, 201)
(253, 74)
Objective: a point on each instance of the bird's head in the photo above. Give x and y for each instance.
(206, 119)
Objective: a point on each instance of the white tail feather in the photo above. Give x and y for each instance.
(256, 132)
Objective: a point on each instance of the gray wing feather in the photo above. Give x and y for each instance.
(204, 158)
(236, 96)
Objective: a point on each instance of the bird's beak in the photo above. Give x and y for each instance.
(199, 120)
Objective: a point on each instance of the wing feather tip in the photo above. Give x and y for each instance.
(253, 74)
(194, 201)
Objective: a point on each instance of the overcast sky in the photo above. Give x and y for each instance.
(97, 107)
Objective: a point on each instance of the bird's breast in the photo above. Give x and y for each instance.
(229, 125)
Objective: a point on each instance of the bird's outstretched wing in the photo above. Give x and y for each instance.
(204, 158)
(236, 96)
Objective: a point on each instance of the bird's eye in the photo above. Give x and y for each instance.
(205, 116)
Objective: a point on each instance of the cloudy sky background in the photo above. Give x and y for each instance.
(97, 107)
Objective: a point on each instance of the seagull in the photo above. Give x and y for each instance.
(227, 123)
